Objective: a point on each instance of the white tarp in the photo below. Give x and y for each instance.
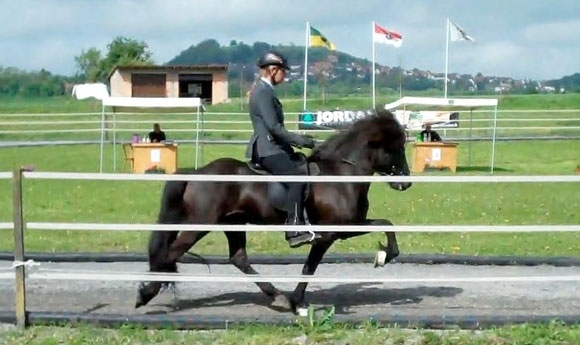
(444, 102)
(87, 90)
(148, 102)
(424, 103)
(152, 102)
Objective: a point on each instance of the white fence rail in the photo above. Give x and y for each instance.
(315, 228)
(27, 269)
(50, 274)
(6, 226)
(48, 124)
(237, 113)
(300, 178)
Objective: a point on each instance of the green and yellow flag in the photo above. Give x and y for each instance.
(318, 40)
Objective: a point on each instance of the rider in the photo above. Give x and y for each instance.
(271, 144)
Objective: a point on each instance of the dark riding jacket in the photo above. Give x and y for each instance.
(270, 135)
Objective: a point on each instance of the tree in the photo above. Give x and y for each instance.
(92, 67)
(125, 51)
(88, 65)
(322, 72)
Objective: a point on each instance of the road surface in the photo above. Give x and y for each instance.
(361, 301)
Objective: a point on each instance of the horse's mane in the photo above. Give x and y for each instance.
(381, 128)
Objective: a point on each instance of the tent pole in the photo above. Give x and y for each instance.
(202, 133)
(197, 138)
(102, 137)
(493, 140)
(470, 134)
(114, 142)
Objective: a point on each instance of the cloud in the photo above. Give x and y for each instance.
(514, 38)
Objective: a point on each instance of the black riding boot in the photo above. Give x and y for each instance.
(296, 217)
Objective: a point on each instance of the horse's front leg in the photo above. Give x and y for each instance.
(315, 256)
(388, 252)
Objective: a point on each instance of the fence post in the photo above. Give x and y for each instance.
(20, 270)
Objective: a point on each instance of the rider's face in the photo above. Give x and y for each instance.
(278, 74)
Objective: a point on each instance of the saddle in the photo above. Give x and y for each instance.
(277, 191)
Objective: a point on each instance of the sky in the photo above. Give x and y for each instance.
(535, 39)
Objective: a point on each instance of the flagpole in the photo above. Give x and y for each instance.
(446, 54)
(400, 75)
(306, 63)
(374, 63)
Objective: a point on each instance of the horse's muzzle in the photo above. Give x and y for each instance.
(400, 186)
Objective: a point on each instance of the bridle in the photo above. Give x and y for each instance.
(382, 173)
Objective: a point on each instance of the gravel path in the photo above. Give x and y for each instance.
(379, 301)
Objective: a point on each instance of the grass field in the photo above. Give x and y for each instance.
(551, 334)
(423, 204)
(539, 115)
(426, 203)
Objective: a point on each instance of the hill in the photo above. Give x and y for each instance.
(340, 73)
(329, 72)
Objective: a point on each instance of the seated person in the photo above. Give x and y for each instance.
(428, 133)
(157, 135)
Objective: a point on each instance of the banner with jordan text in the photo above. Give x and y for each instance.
(330, 119)
(340, 119)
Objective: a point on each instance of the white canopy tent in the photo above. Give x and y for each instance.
(148, 102)
(426, 103)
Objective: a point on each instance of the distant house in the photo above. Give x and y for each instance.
(208, 82)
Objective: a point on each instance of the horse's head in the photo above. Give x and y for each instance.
(375, 143)
(386, 140)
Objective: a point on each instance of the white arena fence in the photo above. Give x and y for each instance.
(28, 270)
(182, 126)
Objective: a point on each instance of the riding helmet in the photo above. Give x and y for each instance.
(273, 58)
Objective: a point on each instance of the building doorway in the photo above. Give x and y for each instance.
(196, 85)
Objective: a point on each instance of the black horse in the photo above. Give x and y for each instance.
(373, 144)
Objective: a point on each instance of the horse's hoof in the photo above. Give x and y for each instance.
(139, 302)
(380, 258)
(300, 309)
(281, 302)
(144, 296)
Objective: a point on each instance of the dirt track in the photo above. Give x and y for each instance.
(362, 301)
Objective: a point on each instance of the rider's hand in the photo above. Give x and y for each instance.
(309, 141)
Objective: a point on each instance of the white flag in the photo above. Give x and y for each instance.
(458, 34)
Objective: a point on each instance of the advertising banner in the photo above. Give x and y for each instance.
(330, 119)
(438, 119)
(339, 119)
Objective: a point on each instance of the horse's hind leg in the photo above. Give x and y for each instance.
(163, 257)
(385, 253)
(239, 258)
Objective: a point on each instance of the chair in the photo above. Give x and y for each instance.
(128, 155)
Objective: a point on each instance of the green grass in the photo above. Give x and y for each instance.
(55, 125)
(423, 204)
(549, 334)
(426, 203)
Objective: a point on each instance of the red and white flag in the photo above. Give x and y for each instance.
(382, 35)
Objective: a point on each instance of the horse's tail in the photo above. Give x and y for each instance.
(172, 212)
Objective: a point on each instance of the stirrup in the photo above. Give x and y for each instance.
(312, 234)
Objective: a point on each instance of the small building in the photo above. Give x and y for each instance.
(208, 82)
